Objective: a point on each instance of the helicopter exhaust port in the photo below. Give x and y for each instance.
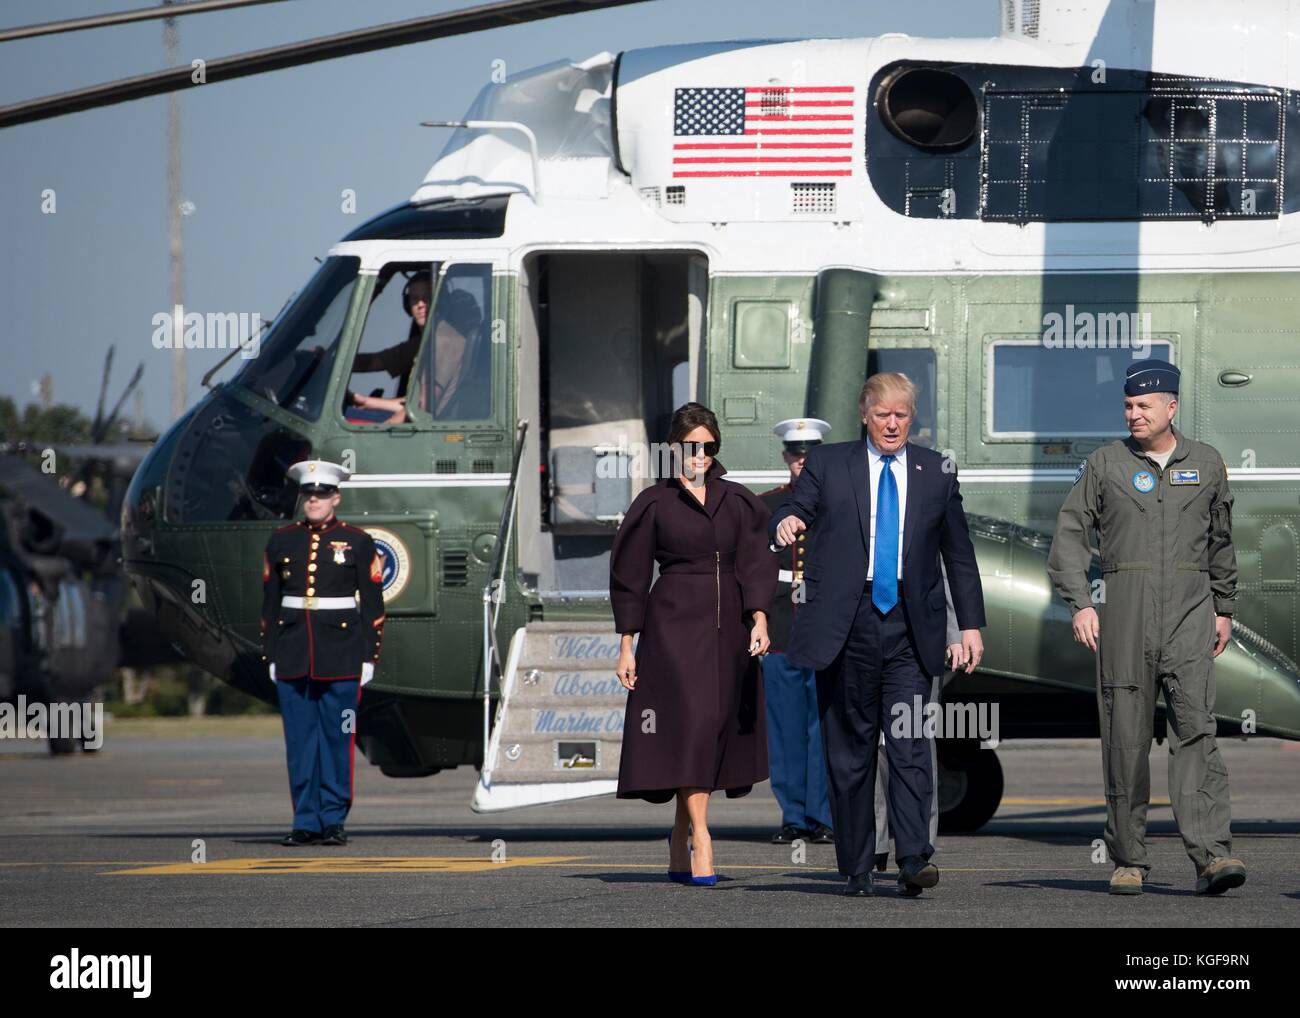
(933, 109)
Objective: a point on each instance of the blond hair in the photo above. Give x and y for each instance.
(883, 385)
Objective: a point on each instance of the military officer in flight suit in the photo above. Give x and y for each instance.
(794, 738)
(1161, 507)
(322, 629)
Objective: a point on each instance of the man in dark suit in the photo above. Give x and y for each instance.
(873, 619)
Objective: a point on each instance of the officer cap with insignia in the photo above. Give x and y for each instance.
(318, 477)
(1151, 375)
(801, 433)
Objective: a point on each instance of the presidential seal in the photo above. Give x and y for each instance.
(394, 560)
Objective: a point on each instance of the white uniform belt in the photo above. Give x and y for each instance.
(316, 603)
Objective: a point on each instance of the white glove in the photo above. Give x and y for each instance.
(273, 672)
(367, 672)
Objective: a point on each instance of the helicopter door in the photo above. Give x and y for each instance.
(610, 346)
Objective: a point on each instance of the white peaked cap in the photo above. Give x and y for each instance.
(318, 472)
(801, 429)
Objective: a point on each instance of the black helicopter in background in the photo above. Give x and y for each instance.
(65, 622)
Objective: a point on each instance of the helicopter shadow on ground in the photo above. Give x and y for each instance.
(793, 881)
(1058, 830)
(1100, 885)
(477, 834)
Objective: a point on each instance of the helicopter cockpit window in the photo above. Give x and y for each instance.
(293, 368)
(395, 325)
(453, 375)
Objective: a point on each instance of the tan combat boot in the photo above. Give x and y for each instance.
(1219, 875)
(1126, 880)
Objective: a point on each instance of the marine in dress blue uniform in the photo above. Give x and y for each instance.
(322, 630)
(796, 760)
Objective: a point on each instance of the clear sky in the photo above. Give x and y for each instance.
(266, 158)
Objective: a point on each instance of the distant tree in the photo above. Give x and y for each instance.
(60, 423)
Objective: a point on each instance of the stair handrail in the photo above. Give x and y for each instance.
(494, 591)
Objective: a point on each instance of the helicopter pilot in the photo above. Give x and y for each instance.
(398, 360)
(322, 631)
(455, 371)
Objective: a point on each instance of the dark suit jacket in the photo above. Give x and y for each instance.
(834, 489)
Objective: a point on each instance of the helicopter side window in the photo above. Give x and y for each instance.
(918, 365)
(395, 325)
(293, 368)
(453, 376)
(1039, 391)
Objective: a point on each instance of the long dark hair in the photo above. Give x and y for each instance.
(688, 417)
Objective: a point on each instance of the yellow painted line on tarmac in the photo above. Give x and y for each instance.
(359, 864)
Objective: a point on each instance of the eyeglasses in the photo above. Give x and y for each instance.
(692, 450)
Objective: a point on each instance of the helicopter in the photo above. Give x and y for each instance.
(758, 225)
(65, 618)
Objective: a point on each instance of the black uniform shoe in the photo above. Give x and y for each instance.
(882, 861)
(859, 886)
(914, 874)
(823, 835)
(300, 837)
(335, 835)
(789, 833)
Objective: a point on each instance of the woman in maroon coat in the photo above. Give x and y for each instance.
(695, 716)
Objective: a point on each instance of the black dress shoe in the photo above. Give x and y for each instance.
(300, 837)
(882, 861)
(789, 833)
(335, 835)
(822, 835)
(914, 874)
(859, 886)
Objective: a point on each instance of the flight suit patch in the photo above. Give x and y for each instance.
(1144, 481)
(1184, 477)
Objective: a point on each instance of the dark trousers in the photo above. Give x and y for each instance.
(319, 737)
(876, 669)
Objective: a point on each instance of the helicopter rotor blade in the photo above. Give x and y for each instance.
(329, 47)
(176, 10)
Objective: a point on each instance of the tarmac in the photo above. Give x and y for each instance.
(177, 823)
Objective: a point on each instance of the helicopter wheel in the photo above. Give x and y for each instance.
(970, 785)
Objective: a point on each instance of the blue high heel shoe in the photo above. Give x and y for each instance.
(695, 881)
(678, 876)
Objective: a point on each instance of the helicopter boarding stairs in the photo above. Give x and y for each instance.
(559, 723)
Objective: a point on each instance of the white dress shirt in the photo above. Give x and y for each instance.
(899, 467)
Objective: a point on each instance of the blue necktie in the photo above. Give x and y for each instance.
(884, 586)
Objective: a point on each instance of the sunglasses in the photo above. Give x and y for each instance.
(691, 450)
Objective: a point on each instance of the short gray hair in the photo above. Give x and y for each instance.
(884, 384)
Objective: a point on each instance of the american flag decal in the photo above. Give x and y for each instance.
(798, 131)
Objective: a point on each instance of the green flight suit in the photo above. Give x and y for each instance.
(1168, 567)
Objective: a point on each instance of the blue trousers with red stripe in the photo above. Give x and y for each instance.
(320, 722)
(795, 756)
